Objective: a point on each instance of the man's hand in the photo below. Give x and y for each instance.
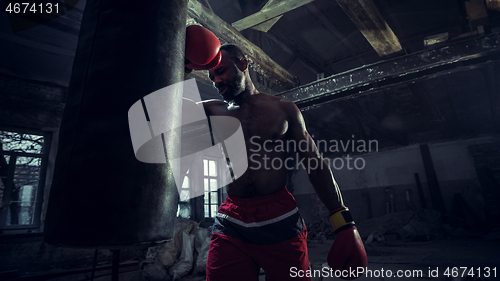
(202, 49)
(347, 252)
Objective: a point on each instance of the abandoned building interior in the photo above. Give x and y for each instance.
(401, 97)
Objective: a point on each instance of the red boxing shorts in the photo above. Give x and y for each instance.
(263, 232)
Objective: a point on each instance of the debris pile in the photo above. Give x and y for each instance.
(186, 253)
(422, 225)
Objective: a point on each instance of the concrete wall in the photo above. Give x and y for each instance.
(393, 171)
(30, 104)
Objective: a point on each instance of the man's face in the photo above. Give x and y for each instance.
(227, 78)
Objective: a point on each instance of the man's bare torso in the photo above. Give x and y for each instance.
(264, 122)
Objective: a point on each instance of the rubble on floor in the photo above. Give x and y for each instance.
(185, 254)
(422, 225)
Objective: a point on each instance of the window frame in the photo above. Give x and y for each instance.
(189, 201)
(219, 190)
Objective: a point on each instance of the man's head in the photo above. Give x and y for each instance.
(234, 52)
(231, 77)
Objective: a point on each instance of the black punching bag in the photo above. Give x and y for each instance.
(102, 196)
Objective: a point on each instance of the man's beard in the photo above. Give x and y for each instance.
(231, 89)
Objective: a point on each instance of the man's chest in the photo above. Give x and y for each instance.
(260, 122)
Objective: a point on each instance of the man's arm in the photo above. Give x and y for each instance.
(212, 106)
(347, 252)
(320, 174)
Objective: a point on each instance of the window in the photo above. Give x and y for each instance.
(213, 195)
(184, 207)
(22, 172)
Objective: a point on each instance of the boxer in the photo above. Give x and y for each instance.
(259, 226)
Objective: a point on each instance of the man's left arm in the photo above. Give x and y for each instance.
(348, 252)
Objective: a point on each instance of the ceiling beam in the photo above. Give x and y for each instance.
(476, 13)
(268, 13)
(262, 63)
(457, 25)
(427, 64)
(206, 4)
(370, 22)
(265, 26)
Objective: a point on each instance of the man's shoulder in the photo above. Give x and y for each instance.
(283, 103)
(288, 106)
(213, 103)
(212, 106)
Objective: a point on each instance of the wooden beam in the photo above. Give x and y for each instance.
(370, 22)
(265, 26)
(262, 63)
(476, 13)
(268, 13)
(206, 4)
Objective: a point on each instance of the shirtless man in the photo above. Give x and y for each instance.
(259, 226)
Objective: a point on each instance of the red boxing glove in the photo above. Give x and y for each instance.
(348, 252)
(202, 49)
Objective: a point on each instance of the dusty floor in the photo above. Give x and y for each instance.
(418, 260)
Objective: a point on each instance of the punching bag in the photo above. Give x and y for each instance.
(102, 196)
